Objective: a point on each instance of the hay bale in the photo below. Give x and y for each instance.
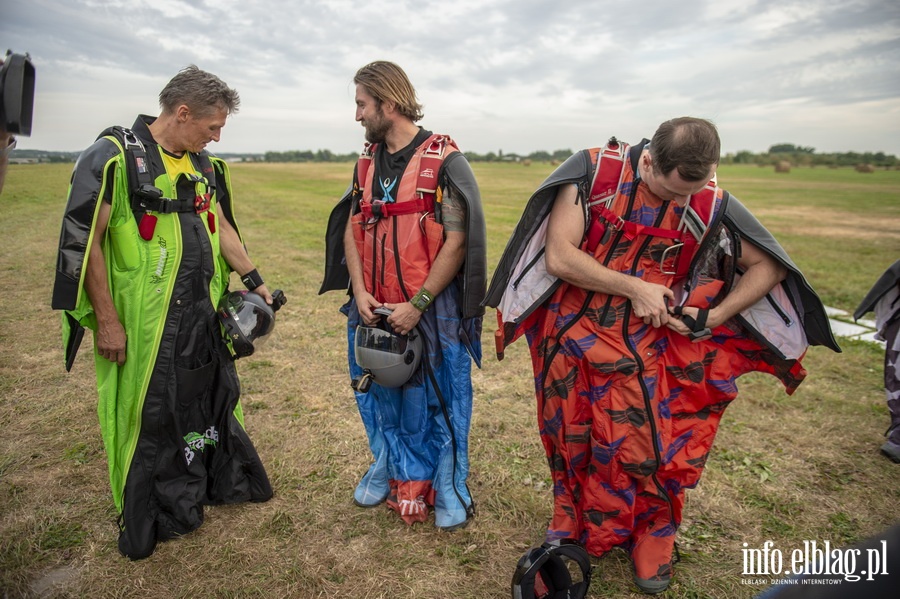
(865, 168)
(526, 162)
(782, 166)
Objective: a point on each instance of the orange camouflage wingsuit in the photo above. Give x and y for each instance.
(627, 412)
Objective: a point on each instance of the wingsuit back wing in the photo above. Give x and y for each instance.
(87, 187)
(85, 192)
(458, 174)
(885, 283)
(795, 288)
(520, 283)
(337, 277)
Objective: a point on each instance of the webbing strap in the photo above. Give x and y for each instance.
(363, 163)
(610, 163)
(138, 169)
(632, 229)
(430, 165)
(379, 209)
(610, 160)
(162, 205)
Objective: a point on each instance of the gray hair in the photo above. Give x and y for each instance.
(200, 91)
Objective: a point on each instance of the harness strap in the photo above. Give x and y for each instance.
(162, 205)
(146, 197)
(607, 176)
(363, 163)
(137, 169)
(610, 162)
(379, 209)
(698, 211)
(429, 166)
(632, 230)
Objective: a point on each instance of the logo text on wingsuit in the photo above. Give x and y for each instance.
(197, 442)
(156, 277)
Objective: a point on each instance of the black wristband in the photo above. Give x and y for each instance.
(252, 280)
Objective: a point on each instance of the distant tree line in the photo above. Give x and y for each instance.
(309, 156)
(796, 155)
(805, 156)
(539, 156)
(328, 156)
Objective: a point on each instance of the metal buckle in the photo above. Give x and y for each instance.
(436, 147)
(665, 256)
(131, 140)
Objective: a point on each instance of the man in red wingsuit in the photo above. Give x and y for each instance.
(635, 362)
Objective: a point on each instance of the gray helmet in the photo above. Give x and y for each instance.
(388, 358)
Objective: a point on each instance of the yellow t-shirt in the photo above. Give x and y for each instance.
(176, 165)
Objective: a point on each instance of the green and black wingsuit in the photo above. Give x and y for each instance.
(170, 418)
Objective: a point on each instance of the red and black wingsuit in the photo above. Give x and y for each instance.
(627, 412)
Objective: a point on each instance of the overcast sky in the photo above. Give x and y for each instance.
(510, 75)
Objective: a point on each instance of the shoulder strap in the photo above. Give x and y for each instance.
(607, 174)
(437, 147)
(136, 168)
(363, 163)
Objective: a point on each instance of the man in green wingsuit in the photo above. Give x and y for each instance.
(148, 242)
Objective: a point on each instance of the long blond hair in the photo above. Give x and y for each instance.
(386, 82)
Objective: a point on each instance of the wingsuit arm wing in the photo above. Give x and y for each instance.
(458, 173)
(806, 301)
(86, 189)
(885, 283)
(336, 276)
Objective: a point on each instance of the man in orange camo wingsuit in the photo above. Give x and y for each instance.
(655, 291)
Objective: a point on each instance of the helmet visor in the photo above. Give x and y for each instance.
(252, 320)
(381, 340)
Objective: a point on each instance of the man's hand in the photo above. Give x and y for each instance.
(650, 302)
(366, 302)
(263, 292)
(404, 318)
(677, 324)
(111, 341)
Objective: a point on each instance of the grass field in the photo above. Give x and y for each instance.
(785, 469)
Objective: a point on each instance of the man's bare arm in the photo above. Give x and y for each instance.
(566, 260)
(111, 336)
(235, 254)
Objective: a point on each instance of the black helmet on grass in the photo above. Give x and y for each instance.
(554, 570)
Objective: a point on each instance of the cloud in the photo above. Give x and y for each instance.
(513, 75)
